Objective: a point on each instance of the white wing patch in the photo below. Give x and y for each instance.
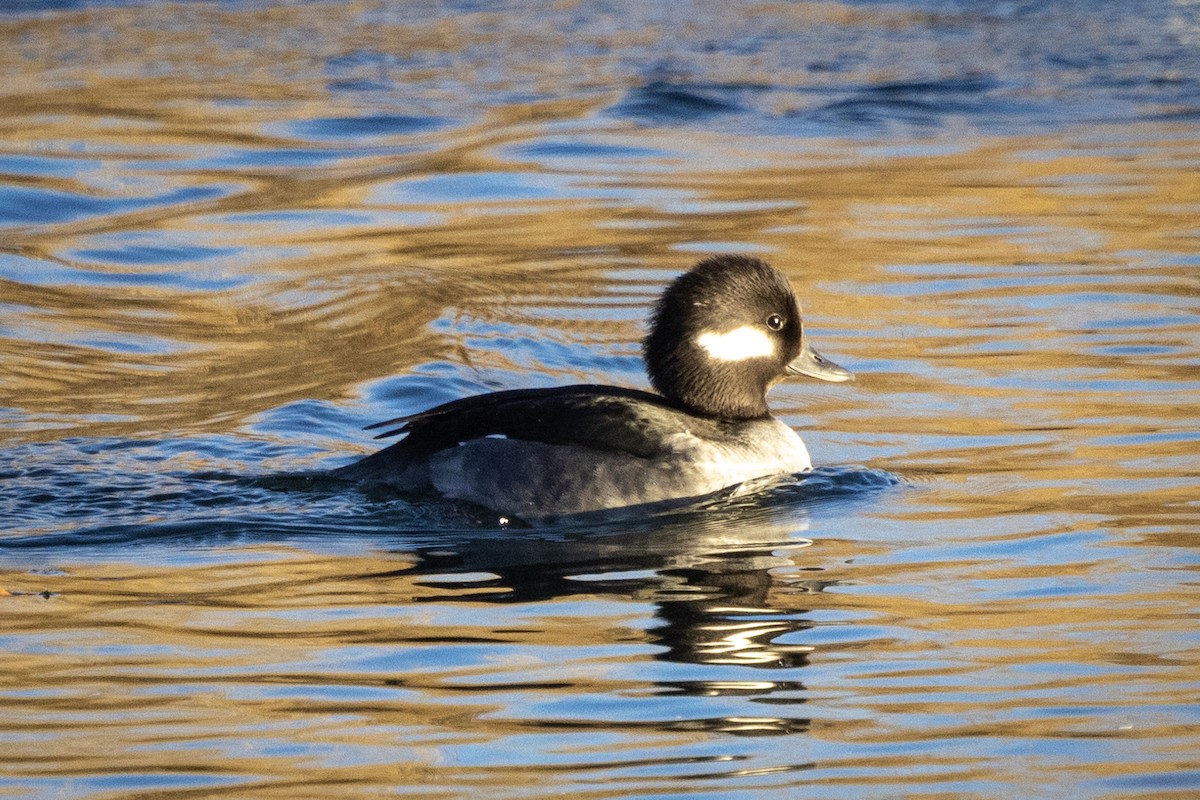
(738, 344)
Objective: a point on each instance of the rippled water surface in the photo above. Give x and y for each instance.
(232, 234)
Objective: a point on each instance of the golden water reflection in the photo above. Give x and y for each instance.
(224, 250)
(305, 316)
(271, 647)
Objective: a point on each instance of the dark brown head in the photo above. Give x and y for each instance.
(723, 333)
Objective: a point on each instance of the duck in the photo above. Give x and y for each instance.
(719, 337)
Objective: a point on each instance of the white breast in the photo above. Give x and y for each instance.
(760, 448)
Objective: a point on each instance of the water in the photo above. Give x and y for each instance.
(231, 234)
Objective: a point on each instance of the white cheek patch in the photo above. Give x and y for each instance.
(738, 344)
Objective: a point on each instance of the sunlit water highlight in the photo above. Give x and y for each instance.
(232, 234)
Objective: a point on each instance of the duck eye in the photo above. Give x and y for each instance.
(775, 322)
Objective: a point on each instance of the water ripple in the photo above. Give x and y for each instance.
(229, 238)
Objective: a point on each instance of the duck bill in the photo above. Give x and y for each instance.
(815, 365)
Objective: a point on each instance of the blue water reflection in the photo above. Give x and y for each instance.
(233, 233)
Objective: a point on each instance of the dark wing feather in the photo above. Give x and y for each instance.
(600, 417)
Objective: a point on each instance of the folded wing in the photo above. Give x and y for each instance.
(605, 418)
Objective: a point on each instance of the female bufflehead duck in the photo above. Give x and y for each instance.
(721, 335)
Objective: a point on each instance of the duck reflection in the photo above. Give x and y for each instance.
(729, 584)
(714, 606)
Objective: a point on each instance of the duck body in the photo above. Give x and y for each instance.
(548, 452)
(721, 335)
